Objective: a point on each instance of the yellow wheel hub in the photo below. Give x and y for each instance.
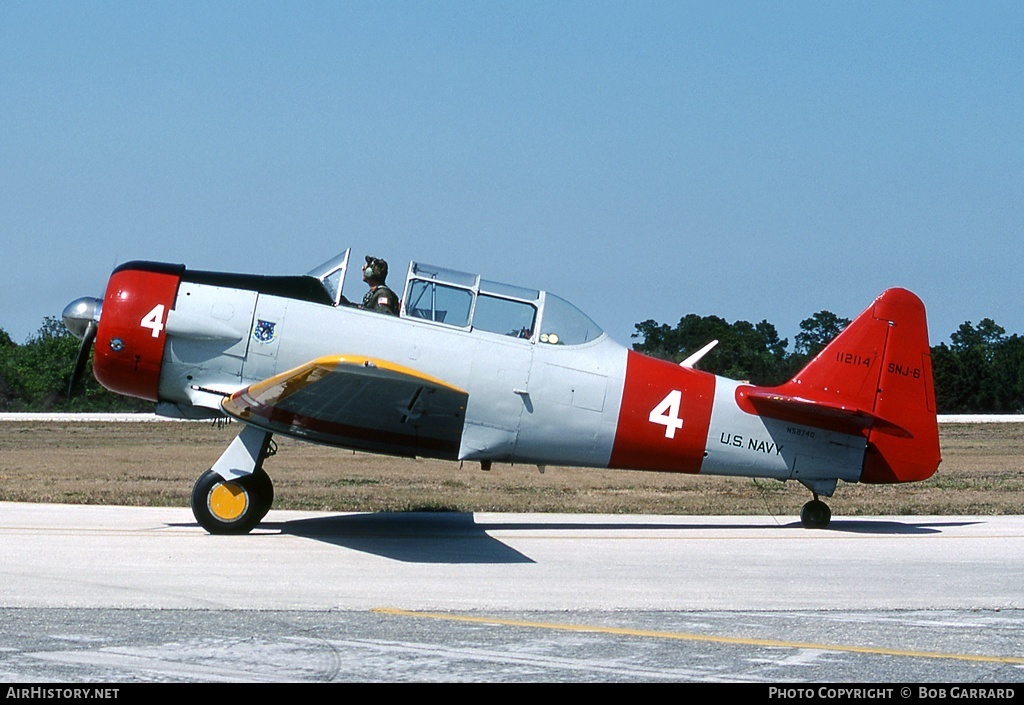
(227, 501)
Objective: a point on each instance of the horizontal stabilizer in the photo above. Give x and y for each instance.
(826, 414)
(357, 402)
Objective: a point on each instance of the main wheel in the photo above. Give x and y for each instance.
(231, 506)
(263, 488)
(815, 514)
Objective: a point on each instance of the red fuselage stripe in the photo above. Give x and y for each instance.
(664, 418)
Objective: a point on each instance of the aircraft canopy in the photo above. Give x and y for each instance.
(461, 300)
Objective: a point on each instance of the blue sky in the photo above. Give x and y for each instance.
(645, 160)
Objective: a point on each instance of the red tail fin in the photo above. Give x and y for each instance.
(875, 377)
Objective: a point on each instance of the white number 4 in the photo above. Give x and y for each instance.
(154, 320)
(666, 413)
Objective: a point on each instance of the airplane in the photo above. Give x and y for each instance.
(476, 370)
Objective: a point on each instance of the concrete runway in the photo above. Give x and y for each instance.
(115, 594)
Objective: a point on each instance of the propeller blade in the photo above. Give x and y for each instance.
(83, 356)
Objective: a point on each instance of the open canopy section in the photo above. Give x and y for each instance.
(332, 275)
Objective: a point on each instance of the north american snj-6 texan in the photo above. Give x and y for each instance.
(472, 369)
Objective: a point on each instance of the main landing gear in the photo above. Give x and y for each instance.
(815, 514)
(236, 493)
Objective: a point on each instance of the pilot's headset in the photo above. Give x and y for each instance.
(376, 269)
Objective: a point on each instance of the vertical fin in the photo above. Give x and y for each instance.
(881, 364)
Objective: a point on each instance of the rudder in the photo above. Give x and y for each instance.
(906, 392)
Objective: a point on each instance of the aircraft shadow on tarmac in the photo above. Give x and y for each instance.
(414, 537)
(896, 528)
(458, 538)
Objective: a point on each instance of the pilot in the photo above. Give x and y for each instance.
(379, 298)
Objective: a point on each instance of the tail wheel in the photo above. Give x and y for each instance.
(231, 506)
(815, 514)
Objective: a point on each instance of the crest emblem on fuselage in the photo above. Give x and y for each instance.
(264, 332)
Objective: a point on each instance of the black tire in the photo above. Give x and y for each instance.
(815, 515)
(231, 506)
(263, 488)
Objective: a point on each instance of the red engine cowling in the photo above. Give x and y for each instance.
(131, 334)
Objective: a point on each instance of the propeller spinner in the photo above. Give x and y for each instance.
(81, 318)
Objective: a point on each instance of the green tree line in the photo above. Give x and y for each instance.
(981, 370)
(35, 376)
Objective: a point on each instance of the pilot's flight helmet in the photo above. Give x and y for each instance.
(376, 269)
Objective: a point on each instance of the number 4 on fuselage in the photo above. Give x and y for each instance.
(473, 369)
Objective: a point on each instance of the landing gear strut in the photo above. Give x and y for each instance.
(236, 493)
(815, 514)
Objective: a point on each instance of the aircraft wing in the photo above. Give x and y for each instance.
(832, 416)
(357, 402)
